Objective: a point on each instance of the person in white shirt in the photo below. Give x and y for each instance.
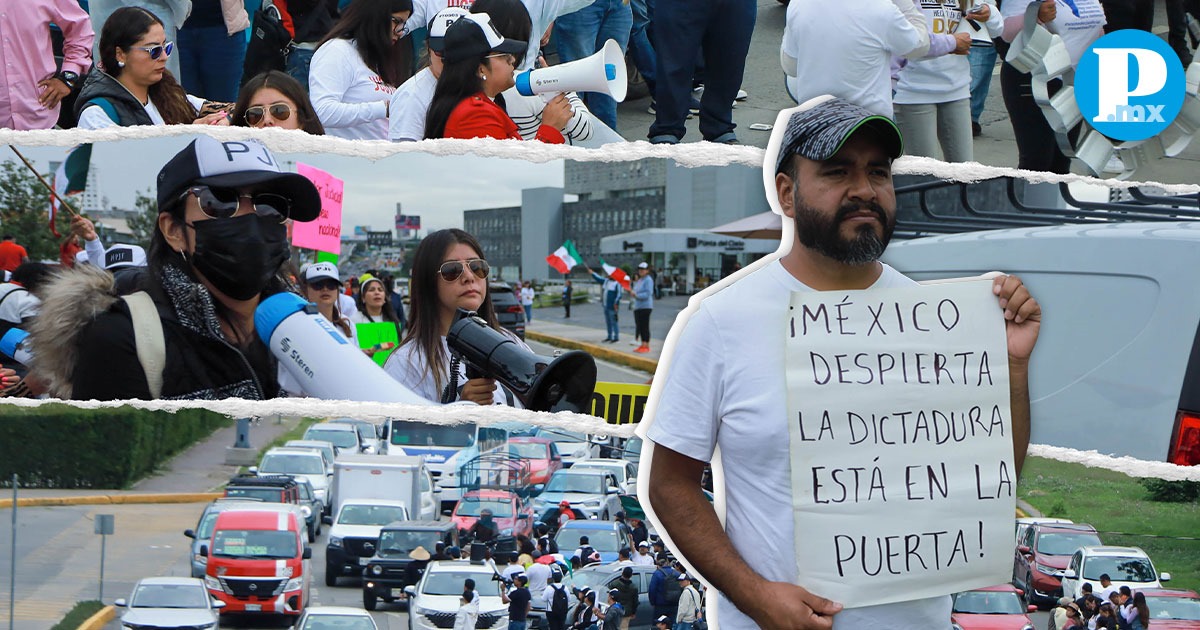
(642, 555)
(832, 178)
(357, 67)
(410, 102)
(539, 575)
(527, 299)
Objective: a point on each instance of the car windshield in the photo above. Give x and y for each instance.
(400, 543)
(988, 603)
(338, 622)
(305, 491)
(420, 434)
(586, 484)
(451, 583)
(169, 596)
(616, 469)
(279, 463)
(471, 506)
(1065, 544)
(204, 530)
(371, 514)
(1174, 607)
(340, 439)
(1119, 569)
(268, 495)
(254, 543)
(604, 540)
(528, 450)
(633, 449)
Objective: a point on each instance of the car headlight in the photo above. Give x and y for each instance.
(593, 503)
(294, 584)
(416, 610)
(334, 541)
(321, 493)
(376, 569)
(213, 583)
(1047, 570)
(199, 558)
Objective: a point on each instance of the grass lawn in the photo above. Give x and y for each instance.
(78, 615)
(1113, 502)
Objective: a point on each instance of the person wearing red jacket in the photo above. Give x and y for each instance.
(480, 64)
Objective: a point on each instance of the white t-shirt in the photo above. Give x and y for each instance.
(410, 105)
(942, 79)
(94, 117)
(19, 305)
(350, 99)
(539, 577)
(408, 366)
(1077, 32)
(745, 413)
(845, 49)
(527, 296)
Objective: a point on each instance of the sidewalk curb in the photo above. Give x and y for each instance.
(600, 352)
(113, 499)
(98, 620)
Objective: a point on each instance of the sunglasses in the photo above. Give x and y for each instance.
(278, 111)
(157, 51)
(223, 203)
(325, 284)
(509, 57)
(453, 270)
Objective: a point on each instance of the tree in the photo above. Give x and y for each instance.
(143, 224)
(24, 212)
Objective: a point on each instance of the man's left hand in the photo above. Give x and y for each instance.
(53, 91)
(1022, 315)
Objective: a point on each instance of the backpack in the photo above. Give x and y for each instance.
(559, 604)
(672, 591)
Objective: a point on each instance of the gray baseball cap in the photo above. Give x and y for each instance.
(820, 126)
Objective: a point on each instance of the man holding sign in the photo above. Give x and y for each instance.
(871, 430)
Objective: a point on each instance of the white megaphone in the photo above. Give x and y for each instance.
(13, 344)
(324, 362)
(603, 72)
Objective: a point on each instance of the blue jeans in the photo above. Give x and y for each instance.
(211, 62)
(517, 625)
(582, 33)
(297, 65)
(641, 44)
(983, 62)
(610, 323)
(528, 312)
(721, 30)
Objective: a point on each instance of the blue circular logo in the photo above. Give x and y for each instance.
(1129, 85)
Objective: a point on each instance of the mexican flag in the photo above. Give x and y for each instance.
(564, 258)
(70, 178)
(616, 274)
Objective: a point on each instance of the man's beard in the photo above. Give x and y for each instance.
(823, 235)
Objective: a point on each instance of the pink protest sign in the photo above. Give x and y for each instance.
(325, 233)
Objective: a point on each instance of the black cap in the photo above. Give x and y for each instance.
(473, 36)
(819, 127)
(236, 164)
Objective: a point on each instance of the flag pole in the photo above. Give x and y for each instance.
(41, 179)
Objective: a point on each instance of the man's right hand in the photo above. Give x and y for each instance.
(1047, 12)
(962, 43)
(790, 607)
(81, 226)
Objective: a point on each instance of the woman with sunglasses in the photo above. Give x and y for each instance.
(216, 252)
(478, 64)
(448, 273)
(275, 99)
(131, 85)
(358, 66)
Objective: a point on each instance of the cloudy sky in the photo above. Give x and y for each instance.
(438, 188)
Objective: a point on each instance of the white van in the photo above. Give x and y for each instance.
(1117, 366)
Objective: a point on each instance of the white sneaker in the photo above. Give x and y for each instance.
(741, 95)
(1114, 165)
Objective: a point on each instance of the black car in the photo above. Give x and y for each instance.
(388, 571)
(507, 305)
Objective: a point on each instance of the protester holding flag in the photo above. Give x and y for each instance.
(610, 298)
(274, 99)
(479, 65)
(358, 66)
(220, 242)
(448, 273)
(131, 85)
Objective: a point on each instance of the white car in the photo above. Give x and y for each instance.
(328, 451)
(593, 492)
(625, 472)
(335, 618)
(170, 602)
(1125, 566)
(434, 601)
(354, 534)
(343, 436)
(298, 462)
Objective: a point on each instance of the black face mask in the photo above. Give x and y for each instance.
(240, 255)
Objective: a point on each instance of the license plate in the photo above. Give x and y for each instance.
(253, 607)
(362, 562)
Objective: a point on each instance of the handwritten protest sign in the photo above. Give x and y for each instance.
(325, 233)
(901, 439)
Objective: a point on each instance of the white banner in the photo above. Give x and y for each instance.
(901, 438)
